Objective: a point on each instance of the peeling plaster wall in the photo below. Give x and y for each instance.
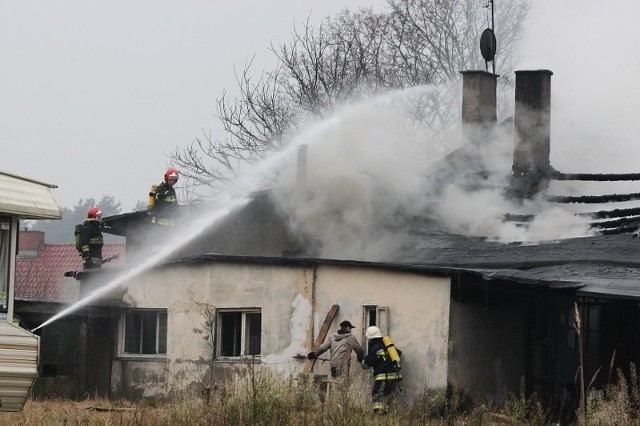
(185, 291)
(294, 301)
(418, 316)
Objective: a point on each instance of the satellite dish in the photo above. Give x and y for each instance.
(488, 45)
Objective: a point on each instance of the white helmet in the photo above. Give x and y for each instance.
(373, 332)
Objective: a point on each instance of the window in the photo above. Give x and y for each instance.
(239, 333)
(144, 332)
(375, 315)
(5, 260)
(378, 316)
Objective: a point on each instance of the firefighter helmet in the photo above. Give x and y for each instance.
(94, 213)
(373, 332)
(171, 173)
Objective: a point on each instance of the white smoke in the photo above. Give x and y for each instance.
(369, 182)
(369, 163)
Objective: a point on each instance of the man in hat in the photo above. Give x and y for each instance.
(340, 346)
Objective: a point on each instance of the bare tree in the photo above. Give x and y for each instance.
(350, 56)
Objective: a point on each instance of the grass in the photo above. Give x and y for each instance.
(262, 398)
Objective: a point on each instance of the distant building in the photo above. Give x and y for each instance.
(41, 291)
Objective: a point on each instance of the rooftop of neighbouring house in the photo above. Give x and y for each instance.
(40, 268)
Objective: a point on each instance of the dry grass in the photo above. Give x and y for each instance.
(263, 399)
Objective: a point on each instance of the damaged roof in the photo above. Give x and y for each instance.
(601, 265)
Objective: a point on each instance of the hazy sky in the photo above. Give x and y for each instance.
(593, 49)
(94, 95)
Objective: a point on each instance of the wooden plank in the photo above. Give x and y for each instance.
(308, 366)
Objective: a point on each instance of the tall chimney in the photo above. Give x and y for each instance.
(478, 103)
(531, 166)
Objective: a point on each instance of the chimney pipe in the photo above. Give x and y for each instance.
(301, 170)
(531, 165)
(478, 103)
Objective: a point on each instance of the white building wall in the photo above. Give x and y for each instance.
(294, 301)
(418, 315)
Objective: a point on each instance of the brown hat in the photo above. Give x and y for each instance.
(345, 324)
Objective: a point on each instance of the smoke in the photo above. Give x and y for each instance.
(365, 174)
(371, 167)
(375, 174)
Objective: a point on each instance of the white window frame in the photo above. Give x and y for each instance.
(122, 335)
(243, 333)
(381, 321)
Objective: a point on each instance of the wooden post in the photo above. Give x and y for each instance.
(308, 366)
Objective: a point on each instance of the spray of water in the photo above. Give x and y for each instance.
(227, 202)
(370, 179)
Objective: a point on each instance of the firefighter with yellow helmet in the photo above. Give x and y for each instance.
(163, 202)
(384, 358)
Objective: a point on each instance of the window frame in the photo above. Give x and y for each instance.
(380, 320)
(8, 248)
(122, 334)
(220, 341)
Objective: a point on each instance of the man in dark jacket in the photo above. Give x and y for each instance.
(340, 346)
(386, 372)
(91, 240)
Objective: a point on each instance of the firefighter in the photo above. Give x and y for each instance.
(340, 346)
(91, 240)
(386, 372)
(165, 204)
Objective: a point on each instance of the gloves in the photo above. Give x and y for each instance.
(360, 359)
(311, 355)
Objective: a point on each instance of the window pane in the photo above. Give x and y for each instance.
(132, 333)
(145, 332)
(230, 330)
(162, 333)
(253, 331)
(149, 335)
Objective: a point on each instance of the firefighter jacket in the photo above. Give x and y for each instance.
(91, 244)
(378, 359)
(340, 346)
(166, 204)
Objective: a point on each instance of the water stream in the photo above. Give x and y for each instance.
(224, 204)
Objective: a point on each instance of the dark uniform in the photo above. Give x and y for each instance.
(386, 374)
(91, 244)
(165, 205)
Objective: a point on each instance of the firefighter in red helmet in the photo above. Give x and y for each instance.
(91, 239)
(165, 203)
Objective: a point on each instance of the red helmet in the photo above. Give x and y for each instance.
(171, 173)
(94, 213)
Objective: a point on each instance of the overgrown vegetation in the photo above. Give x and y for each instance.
(264, 398)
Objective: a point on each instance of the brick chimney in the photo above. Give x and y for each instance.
(30, 243)
(478, 103)
(531, 166)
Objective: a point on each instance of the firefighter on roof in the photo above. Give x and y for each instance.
(384, 358)
(163, 202)
(91, 240)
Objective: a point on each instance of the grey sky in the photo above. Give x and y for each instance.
(93, 95)
(593, 49)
